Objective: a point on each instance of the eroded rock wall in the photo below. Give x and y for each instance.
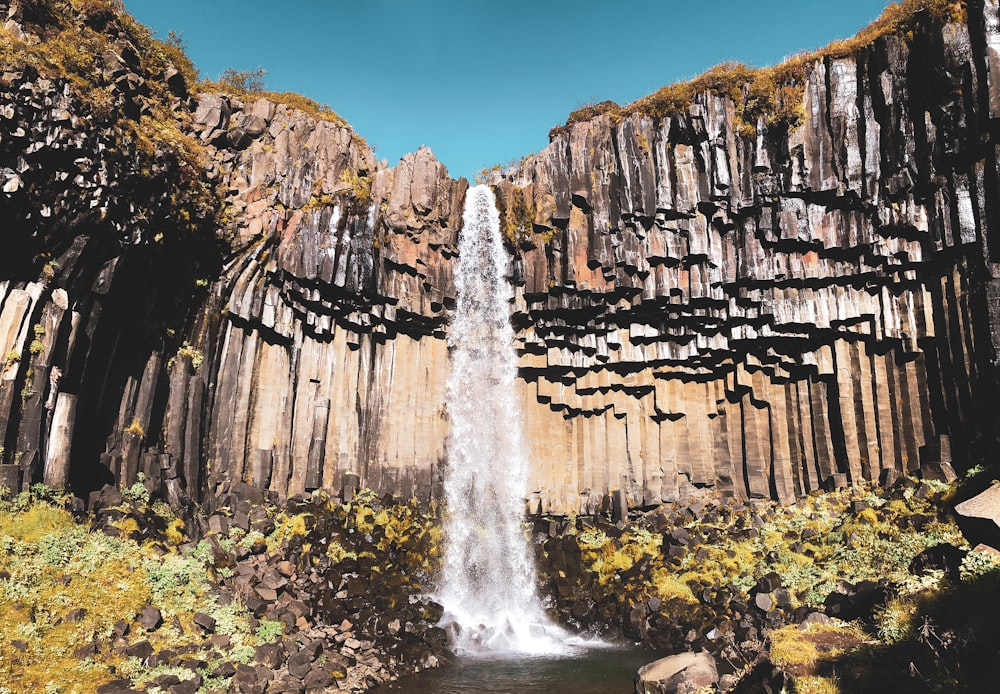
(697, 308)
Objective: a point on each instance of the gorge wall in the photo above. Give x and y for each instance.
(214, 289)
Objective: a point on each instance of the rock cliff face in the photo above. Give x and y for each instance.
(763, 314)
(701, 305)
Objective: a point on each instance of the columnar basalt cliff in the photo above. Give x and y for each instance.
(214, 289)
(764, 313)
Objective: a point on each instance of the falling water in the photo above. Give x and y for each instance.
(488, 587)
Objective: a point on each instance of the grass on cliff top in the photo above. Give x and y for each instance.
(249, 93)
(773, 93)
(66, 40)
(73, 34)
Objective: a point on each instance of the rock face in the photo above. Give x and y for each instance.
(698, 307)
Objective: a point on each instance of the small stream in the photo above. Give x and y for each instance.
(603, 671)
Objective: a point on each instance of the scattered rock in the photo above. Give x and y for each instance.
(150, 618)
(141, 650)
(206, 622)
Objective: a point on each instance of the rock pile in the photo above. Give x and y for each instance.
(341, 584)
(720, 576)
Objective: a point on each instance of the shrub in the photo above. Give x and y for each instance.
(243, 81)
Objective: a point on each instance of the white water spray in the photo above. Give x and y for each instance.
(488, 587)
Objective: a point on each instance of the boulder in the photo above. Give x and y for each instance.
(979, 517)
(683, 673)
(150, 618)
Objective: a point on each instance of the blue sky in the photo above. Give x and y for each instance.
(481, 83)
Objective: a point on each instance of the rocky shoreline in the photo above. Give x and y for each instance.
(321, 594)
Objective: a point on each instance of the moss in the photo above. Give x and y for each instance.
(896, 620)
(54, 566)
(287, 527)
(593, 110)
(196, 356)
(670, 587)
(360, 186)
(789, 648)
(811, 684)
(517, 215)
(175, 531)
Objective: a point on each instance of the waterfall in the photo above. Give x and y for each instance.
(488, 586)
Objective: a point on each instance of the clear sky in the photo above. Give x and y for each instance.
(481, 83)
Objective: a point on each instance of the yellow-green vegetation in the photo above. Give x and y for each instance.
(895, 621)
(810, 652)
(876, 543)
(810, 684)
(63, 587)
(287, 527)
(941, 622)
(517, 214)
(195, 355)
(361, 186)
(517, 217)
(394, 527)
(135, 429)
(801, 647)
(55, 566)
(248, 86)
(775, 93)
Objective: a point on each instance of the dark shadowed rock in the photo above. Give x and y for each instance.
(120, 686)
(945, 557)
